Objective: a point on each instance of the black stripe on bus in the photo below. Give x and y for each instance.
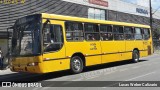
(144, 50)
(58, 19)
(108, 53)
(56, 59)
(112, 53)
(92, 55)
(68, 20)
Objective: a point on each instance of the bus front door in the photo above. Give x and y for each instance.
(54, 48)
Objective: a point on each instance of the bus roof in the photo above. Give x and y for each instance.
(72, 18)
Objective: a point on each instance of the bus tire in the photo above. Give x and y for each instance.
(76, 64)
(135, 56)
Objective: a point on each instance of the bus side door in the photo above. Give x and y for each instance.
(54, 47)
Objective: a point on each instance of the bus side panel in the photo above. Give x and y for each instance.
(110, 58)
(136, 44)
(130, 46)
(111, 51)
(93, 60)
(121, 48)
(140, 45)
(56, 65)
(91, 51)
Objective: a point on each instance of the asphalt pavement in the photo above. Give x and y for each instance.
(148, 69)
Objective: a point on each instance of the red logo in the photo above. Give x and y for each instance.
(99, 2)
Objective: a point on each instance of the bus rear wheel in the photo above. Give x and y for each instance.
(135, 56)
(76, 64)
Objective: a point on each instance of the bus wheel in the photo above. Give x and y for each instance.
(135, 56)
(76, 65)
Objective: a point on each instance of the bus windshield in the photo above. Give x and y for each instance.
(26, 36)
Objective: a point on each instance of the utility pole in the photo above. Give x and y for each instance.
(151, 17)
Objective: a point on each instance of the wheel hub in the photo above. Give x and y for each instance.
(76, 64)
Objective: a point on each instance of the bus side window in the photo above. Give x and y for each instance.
(138, 34)
(106, 32)
(118, 33)
(129, 35)
(56, 39)
(74, 31)
(91, 32)
(146, 34)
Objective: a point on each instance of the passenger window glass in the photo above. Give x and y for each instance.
(129, 35)
(118, 33)
(138, 34)
(146, 34)
(91, 28)
(106, 32)
(91, 32)
(74, 31)
(53, 38)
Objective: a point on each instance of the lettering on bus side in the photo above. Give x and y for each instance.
(145, 43)
(93, 46)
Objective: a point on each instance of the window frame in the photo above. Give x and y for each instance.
(72, 36)
(132, 33)
(98, 32)
(138, 34)
(148, 34)
(44, 52)
(118, 33)
(92, 13)
(101, 32)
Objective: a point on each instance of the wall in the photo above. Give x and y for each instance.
(116, 10)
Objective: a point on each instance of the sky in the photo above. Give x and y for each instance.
(155, 3)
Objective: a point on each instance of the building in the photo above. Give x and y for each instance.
(115, 10)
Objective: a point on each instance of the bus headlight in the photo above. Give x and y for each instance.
(33, 64)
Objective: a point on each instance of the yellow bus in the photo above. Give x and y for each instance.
(44, 43)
